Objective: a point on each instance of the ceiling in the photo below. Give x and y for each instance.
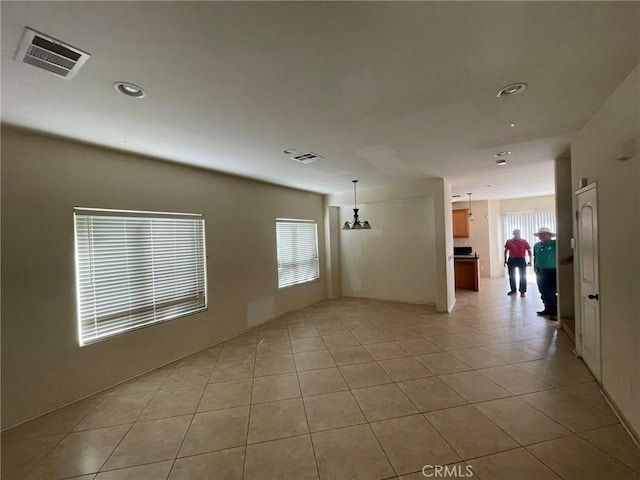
(384, 91)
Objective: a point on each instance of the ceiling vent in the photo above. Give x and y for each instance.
(306, 157)
(50, 54)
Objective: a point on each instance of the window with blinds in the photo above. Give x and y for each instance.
(528, 223)
(297, 245)
(134, 269)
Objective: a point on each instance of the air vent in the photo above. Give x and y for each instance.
(306, 157)
(50, 54)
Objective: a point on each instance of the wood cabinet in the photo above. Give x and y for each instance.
(467, 273)
(461, 223)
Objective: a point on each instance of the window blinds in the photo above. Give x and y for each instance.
(297, 245)
(136, 268)
(528, 223)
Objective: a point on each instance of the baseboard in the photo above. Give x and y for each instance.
(390, 300)
(635, 436)
(152, 369)
(570, 333)
(453, 304)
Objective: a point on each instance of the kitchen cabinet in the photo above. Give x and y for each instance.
(461, 223)
(467, 272)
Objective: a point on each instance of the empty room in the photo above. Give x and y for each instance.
(320, 240)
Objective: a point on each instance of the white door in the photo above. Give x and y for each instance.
(588, 271)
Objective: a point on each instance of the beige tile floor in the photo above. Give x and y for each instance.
(348, 389)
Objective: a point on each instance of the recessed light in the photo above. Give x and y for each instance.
(502, 154)
(501, 162)
(290, 151)
(129, 89)
(513, 89)
(512, 124)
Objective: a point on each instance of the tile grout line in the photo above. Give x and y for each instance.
(541, 460)
(193, 416)
(557, 421)
(603, 451)
(359, 408)
(30, 470)
(306, 417)
(246, 440)
(469, 403)
(368, 423)
(351, 332)
(129, 429)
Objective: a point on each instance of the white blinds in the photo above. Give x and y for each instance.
(297, 245)
(135, 269)
(528, 223)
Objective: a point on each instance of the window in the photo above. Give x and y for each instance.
(134, 269)
(528, 223)
(297, 244)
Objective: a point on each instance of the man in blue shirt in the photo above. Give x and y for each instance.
(544, 264)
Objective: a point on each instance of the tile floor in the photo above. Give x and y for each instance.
(348, 389)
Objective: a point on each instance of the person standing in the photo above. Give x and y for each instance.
(514, 259)
(544, 264)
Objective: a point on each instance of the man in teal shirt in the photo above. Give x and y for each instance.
(544, 264)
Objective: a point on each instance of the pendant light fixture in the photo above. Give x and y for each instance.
(356, 224)
(470, 214)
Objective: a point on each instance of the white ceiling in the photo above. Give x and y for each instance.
(383, 90)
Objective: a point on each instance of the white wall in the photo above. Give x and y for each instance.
(386, 202)
(42, 180)
(593, 155)
(496, 242)
(444, 234)
(564, 227)
(528, 204)
(395, 260)
(332, 224)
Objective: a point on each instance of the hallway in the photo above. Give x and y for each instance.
(349, 389)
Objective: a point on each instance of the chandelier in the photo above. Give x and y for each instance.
(356, 224)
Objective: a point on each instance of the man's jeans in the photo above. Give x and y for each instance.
(514, 264)
(547, 285)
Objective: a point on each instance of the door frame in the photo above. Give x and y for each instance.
(578, 278)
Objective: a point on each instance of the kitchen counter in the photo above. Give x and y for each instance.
(467, 272)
